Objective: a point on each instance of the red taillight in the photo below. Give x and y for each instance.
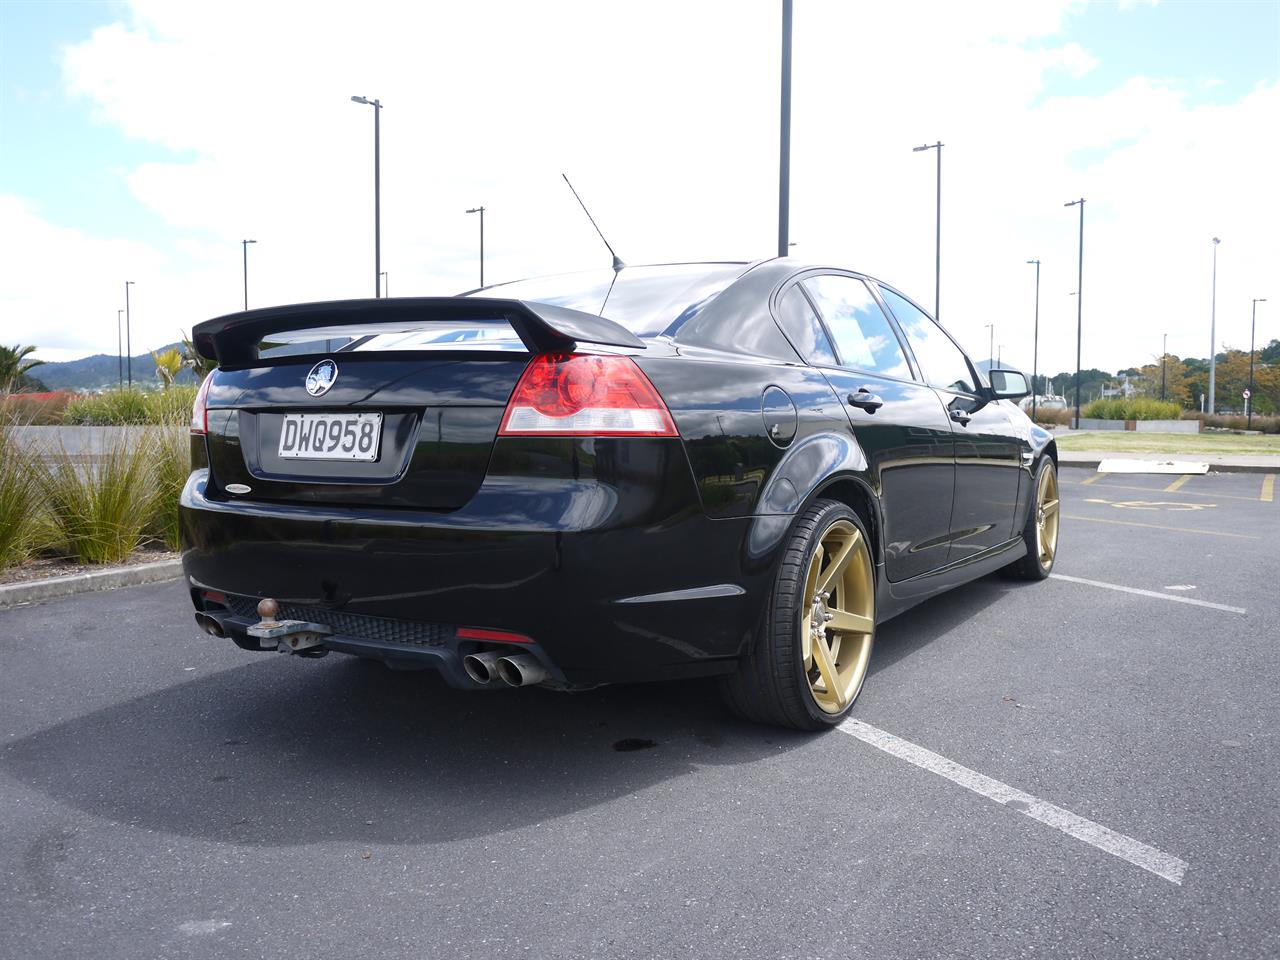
(200, 409)
(499, 636)
(581, 395)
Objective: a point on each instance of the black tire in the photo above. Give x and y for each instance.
(770, 685)
(1031, 566)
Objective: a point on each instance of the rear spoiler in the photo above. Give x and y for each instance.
(234, 339)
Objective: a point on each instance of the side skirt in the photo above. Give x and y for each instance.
(896, 598)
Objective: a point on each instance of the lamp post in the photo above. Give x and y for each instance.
(119, 348)
(1035, 343)
(480, 210)
(1213, 329)
(128, 333)
(377, 192)
(991, 346)
(937, 240)
(1253, 329)
(1079, 302)
(244, 246)
(784, 135)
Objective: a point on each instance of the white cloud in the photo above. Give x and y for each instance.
(665, 116)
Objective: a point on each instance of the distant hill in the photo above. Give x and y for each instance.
(101, 370)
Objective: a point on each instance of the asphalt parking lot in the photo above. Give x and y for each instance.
(1087, 767)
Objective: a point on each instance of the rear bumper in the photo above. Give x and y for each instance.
(613, 582)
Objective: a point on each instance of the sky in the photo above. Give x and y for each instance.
(143, 140)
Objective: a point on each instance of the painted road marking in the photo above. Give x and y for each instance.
(1177, 484)
(1095, 834)
(1268, 494)
(1094, 479)
(1171, 505)
(1185, 493)
(1149, 593)
(1161, 526)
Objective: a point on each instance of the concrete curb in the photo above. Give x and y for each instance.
(112, 577)
(1092, 460)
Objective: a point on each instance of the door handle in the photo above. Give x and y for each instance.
(865, 399)
(960, 417)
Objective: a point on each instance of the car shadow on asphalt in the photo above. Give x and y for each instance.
(281, 752)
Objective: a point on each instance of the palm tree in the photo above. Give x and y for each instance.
(13, 365)
(168, 365)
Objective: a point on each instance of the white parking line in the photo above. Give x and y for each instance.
(1095, 834)
(1147, 593)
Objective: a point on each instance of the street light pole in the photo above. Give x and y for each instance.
(784, 136)
(377, 192)
(1079, 302)
(991, 346)
(480, 210)
(1035, 343)
(937, 240)
(119, 348)
(1213, 330)
(1253, 329)
(128, 333)
(244, 245)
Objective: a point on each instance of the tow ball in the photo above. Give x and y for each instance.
(288, 636)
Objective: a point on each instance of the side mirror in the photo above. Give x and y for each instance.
(1009, 384)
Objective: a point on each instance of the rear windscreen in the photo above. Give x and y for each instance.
(646, 300)
(427, 335)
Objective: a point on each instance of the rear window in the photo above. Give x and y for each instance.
(646, 300)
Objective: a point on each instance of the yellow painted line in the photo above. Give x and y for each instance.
(1160, 526)
(1177, 484)
(1094, 479)
(1185, 493)
(1268, 488)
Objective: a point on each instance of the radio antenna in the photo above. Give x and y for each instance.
(617, 262)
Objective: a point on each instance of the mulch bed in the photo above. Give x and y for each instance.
(41, 568)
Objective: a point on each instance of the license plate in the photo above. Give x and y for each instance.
(330, 436)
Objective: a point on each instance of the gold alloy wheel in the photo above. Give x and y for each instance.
(1047, 516)
(837, 620)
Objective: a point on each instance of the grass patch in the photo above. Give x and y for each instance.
(1136, 408)
(132, 406)
(1124, 441)
(171, 456)
(20, 524)
(100, 507)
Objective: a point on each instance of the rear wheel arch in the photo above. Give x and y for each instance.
(856, 495)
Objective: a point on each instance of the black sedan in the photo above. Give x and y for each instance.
(716, 469)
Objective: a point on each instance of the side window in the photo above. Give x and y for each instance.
(859, 327)
(803, 328)
(942, 363)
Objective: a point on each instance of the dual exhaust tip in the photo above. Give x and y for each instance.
(520, 670)
(210, 625)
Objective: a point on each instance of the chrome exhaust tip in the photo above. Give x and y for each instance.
(522, 670)
(481, 667)
(209, 625)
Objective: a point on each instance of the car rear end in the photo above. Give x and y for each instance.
(448, 486)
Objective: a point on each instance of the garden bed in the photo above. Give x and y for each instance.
(44, 568)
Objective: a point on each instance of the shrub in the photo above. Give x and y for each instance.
(19, 502)
(1136, 408)
(1236, 421)
(171, 456)
(1061, 417)
(133, 406)
(99, 506)
(36, 409)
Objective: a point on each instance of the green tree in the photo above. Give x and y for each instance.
(14, 365)
(192, 359)
(168, 365)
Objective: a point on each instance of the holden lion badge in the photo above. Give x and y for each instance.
(321, 378)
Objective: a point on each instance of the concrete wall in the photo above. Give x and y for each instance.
(1168, 426)
(81, 441)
